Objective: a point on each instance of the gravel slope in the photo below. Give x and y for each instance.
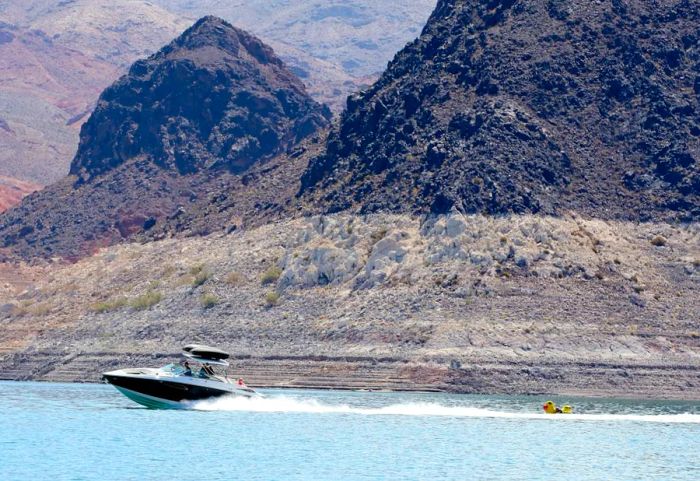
(518, 304)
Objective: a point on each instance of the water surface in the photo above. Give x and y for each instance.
(91, 432)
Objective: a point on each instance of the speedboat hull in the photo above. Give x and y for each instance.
(152, 389)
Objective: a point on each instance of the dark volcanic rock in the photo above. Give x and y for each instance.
(179, 127)
(216, 96)
(528, 106)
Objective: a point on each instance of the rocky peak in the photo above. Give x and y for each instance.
(215, 97)
(527, 106)
(214, 34)
(205, 125)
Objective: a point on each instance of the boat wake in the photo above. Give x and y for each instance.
(285, 404)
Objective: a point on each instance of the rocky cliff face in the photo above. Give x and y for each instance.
(181, 124)
(528, 106)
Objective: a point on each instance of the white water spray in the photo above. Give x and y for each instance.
(286, 404)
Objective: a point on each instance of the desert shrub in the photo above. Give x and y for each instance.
(659, 241)
(196, 269)
(146, 301)
(28, 308)
(168, 271)
(17, 310)
(272, 298)
(201, 275)
(109, 305)
(235, 278)
(40, 309)
(200, 278)
(378, 234)
(209, 300)
(272, 274)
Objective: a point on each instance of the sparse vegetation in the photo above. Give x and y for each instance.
(209, 300)
(272, 298)
(196, 269)
(146, 300)
(109, 305)
(378, 234)
(40, 309)
(272, 274)
(200, 278)
(234, 278)
(659, 241)
(28, 308)
(168, 271)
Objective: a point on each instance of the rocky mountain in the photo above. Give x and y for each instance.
(215, 97)
(527, 106)
(209, 106)
(57, 56)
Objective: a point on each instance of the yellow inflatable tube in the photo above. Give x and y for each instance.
(551, 408)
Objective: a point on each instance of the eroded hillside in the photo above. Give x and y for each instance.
(517, 304)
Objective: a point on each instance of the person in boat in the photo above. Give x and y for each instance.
(188, 369)
(206, 370)
(550, 408)
(240, 382)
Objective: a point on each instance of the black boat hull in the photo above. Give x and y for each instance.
(170, 391)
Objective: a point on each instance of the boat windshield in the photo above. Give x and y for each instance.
(173, 368)
(178, 370)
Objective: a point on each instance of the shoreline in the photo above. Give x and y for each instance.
(581, 379)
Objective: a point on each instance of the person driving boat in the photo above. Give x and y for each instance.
(206, 370)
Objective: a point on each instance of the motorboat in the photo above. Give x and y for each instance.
(178, 385)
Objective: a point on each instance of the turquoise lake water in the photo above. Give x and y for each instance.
(91, 432)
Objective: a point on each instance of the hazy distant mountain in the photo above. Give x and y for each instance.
(57, 55)
(359, 35)
(12, 191)
(56, 58)
(528, 106)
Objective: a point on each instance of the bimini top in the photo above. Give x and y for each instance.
(205, 352)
